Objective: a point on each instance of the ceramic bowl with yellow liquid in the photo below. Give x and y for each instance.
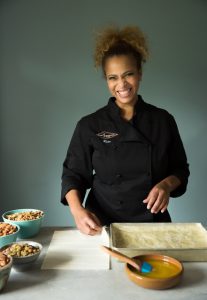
(166, 272)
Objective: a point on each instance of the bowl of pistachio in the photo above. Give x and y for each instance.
(23, 252)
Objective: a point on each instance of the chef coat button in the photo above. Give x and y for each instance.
(118, 175)
(120, 202)
(115, 147)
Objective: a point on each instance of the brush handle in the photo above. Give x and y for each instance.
(136, 264)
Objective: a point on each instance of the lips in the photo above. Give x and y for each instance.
(124, 93)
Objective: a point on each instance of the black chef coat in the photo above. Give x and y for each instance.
(120, 161)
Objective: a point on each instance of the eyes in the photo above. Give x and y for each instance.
(125, 75)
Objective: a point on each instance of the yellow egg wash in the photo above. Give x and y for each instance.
(161, 269)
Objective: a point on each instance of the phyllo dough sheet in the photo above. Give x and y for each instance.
(72, 250)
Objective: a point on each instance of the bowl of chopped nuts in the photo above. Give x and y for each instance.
(5, 268)
(29, 221)
(23, 252)
(8, 233)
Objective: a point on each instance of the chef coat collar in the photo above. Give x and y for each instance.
(116, 111)
(127, 131)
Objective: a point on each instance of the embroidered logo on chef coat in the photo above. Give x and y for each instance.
(106, 136)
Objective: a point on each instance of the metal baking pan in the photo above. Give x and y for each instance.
(183, 241)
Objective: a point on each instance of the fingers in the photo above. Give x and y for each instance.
(88, 223)
(157, 200)
(93, 226)
(88, 230)
(164, 208)
(160, 205)
(97, 221)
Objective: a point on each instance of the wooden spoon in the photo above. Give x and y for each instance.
(143, 267)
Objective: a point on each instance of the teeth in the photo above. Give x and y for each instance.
(124, 93)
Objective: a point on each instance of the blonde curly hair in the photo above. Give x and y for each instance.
(114, 41)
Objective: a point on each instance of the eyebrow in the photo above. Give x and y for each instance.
(129, 71)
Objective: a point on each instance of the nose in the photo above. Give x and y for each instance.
(122, 83)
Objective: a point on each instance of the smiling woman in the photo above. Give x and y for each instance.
(128, 153)
(121, 54)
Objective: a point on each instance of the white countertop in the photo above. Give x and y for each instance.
(30, 283)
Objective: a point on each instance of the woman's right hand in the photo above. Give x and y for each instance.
(87, 222)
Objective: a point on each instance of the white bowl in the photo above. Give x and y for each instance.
(17, 260)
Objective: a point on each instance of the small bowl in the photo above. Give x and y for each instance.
(9, 238)
(167, 272)
(4, 273)
(19, 260)
(28, 228)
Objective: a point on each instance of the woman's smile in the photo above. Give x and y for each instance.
(124, 93)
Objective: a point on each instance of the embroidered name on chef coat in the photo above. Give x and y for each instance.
(106, 136)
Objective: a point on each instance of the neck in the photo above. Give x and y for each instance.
(127, 113)
(127, 110)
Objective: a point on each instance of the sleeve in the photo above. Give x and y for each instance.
(179, 166)
(77, 167)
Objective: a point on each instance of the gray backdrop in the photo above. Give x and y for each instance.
(48, 82)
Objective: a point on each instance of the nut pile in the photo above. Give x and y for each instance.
(4, 260)
(6, 229)
(21, 250)
(25, 216)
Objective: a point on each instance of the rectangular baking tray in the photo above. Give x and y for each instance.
(183, 241)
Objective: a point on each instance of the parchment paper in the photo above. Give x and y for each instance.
(72, 250)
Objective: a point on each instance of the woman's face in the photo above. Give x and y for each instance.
(123, 78)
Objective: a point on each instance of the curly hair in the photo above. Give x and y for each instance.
(114, 41)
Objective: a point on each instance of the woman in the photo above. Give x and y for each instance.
(128, 153)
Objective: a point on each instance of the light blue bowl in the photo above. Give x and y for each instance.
(4, 274)
(28, 228)
(10, 238)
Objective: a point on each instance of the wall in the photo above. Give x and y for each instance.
(47, 82)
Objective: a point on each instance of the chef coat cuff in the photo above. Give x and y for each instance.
(181, 189)
(71, 186)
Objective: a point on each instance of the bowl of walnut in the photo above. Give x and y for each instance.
(29, 221)
(8, 233)
(5, 268)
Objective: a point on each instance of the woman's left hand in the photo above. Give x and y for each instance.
(158, 198)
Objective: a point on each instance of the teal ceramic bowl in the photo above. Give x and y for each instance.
(4, 273)
(28, 228)
(10, 238)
